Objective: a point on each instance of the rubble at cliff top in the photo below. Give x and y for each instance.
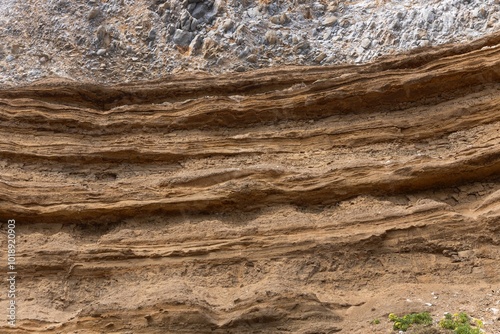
(113, 41)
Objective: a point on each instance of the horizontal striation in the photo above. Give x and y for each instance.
(284, 200)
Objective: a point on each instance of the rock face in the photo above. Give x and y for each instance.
(284, 200)
(148, 39)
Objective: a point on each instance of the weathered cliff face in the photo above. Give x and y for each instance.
(287, 200)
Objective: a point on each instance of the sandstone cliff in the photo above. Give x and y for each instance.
(283, 200)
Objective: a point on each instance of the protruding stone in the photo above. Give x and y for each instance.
(182, 37)
(163, 7)
(204, 10)
(209, 48)
(152, 35)
(480, 13)
(424, 43)
(101, 32)
(101, 52)
(227, 25)
(421, 33)
(271, 37)
(279, 19)
(330, 21)
(43, 59)
(185, 21)
(252, 58)
(467, 254)
(319, 58)
(332, 7)
(103, 36)
(302, 47)
(365, 43)
(194, 24)
(196, 44)
(94, 12)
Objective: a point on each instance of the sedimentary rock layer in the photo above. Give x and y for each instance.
(298, 199)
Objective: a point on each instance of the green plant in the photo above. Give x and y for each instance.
(405, 322)
(461, 323)
(447, 322)
(375, 321)
(422, 329)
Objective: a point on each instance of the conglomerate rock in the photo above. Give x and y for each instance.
(112, 41)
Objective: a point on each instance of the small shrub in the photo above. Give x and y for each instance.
(375, 322)
(461, 323)
(420, 329)
(447, 322)
(405, 322)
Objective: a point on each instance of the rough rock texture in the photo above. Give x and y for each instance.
(286, 200)
(111, 41)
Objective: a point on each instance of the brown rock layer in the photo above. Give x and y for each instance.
(301, 199)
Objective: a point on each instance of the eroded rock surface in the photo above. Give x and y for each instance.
(285, 200)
